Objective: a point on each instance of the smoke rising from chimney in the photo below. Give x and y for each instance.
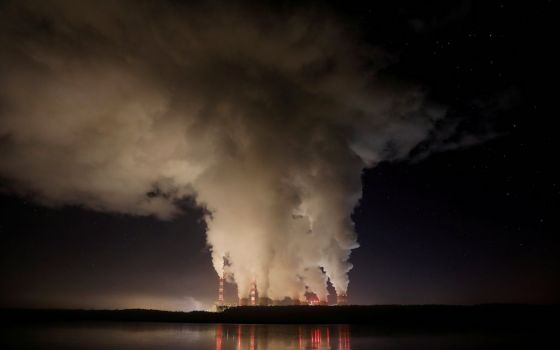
(266, 118)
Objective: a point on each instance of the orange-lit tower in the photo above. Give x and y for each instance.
(221, 291)
(253, 294)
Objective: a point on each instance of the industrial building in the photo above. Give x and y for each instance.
(253, 299)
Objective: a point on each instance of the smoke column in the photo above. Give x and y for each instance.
(266, 118)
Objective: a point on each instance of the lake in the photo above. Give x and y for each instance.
(166, 336)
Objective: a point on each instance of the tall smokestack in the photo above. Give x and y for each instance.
(342, 299)
(253, 295)
(221, 291)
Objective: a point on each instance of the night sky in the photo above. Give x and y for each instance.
(469, 215)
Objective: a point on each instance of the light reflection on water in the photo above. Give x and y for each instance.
(169, 336)
(254, 337)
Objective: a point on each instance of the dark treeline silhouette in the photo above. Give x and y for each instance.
(489, 317)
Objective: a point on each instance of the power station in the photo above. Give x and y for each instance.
(253, 298)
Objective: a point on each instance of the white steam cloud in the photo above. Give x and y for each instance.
(265, 118)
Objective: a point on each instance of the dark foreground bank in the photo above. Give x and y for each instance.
(493, 317)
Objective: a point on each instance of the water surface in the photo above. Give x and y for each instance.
(164, 336)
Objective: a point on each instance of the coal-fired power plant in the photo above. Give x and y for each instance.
(253, 299)
(268, 136)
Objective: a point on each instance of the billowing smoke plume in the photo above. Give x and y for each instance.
(266, 118)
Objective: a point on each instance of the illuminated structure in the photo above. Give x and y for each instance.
(220, 305)
(342, 299)
(253, 298)
(253, 294)
(221, 291)
(312, 299)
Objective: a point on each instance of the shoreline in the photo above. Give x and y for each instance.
(423, 318)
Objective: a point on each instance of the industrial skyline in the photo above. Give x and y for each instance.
(339, 152)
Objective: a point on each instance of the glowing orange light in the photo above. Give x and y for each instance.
(252, 338)
(238, 337)
(219, 337)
